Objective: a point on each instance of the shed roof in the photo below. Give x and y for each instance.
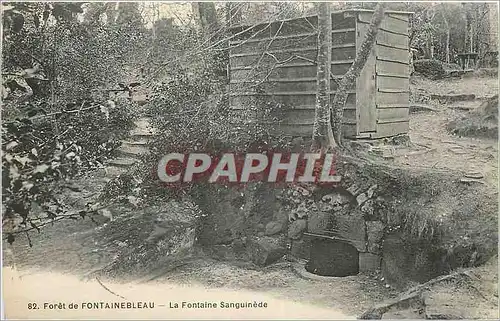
(314, 16)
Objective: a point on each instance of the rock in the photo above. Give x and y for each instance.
(239, 247)
(369, 262)
(367, 207)
(361, 198)
(475, 175)
(354, 189)
(470, 181)
(335, 199)
(417, 108)
(296, 228)
(318, 222)
(371, 191)
(375, 232)
(325, 207)
(273, 227)
(265, 250)
(222, 252)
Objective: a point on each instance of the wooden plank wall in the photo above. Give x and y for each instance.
(275, 63)
(392, 75)
(279, 59)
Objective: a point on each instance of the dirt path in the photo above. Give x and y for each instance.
(432, 146)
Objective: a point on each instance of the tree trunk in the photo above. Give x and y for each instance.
(355, 70)
(207, 16)
(447, 26)
(322, 130)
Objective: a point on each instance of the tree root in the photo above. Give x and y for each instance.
(413, 298)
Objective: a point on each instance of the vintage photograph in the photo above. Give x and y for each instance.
(249, 160)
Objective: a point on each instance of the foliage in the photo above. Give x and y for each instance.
(66, 126)
(36, 155)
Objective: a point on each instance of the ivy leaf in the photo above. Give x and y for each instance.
(23, 160)
(10, 238)
(41, 168)
(105, 111)
(11, 145)
(27, 185)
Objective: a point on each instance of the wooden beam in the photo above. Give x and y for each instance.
(308, 34)
(395, 61)
(343, 30)
(390, 121)
(289, 93)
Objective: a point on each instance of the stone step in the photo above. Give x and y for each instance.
(142, 132)
(138, 142)
(140, 137)
(133, 151)
(415, 108)
(465, 105)
(143, 122)
(123, 162)
(450, 98)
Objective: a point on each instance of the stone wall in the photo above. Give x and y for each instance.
(262, 223)
(349, 215)
(431, 218)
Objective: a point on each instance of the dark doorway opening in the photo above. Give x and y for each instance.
(333, 258)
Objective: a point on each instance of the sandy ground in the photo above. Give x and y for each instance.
(25, 288)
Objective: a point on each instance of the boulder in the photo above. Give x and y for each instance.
(336, 199)
(273, 228)
(318, 222)
(296, 228)
(265, 250)
(361, 198)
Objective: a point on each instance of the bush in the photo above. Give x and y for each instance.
(40, 151)
(430, 68)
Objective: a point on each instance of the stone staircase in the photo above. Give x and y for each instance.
(131, 148)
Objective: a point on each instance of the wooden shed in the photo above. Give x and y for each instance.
(275, 62)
